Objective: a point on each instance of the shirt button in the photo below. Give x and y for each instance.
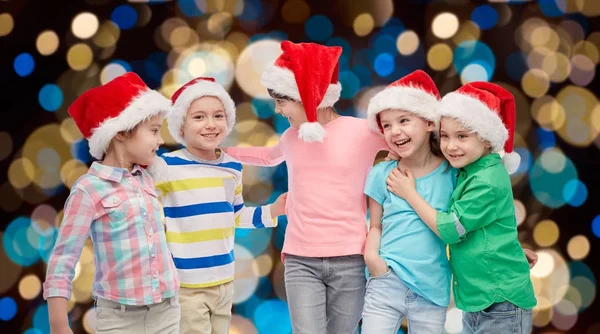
(145, 214)
(153, 255)
(455, 283)
(150, 233)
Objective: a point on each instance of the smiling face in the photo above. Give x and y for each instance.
(405, 132)
(205, 126)
(287, 107)
(142, 143)
(460, 145)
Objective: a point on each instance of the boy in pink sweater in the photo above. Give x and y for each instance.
(328, 158)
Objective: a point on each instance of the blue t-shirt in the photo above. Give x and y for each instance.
(408, 246)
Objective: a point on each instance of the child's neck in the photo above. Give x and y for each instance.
(113, 159)
(326, 115)
(421, 163)
(208, 155)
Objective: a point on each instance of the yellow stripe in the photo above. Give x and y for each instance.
(238, 190)
(206, 285)
(237, 220)
(194, 183)
(198, 236)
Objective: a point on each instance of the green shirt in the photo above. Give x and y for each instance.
(486, 258)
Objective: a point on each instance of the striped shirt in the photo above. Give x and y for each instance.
(119, 210)
(203, 204)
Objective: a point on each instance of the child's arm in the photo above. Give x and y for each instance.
(374, 262)
(473, 210)
(74, 229)
(257, 156)
(256, 217)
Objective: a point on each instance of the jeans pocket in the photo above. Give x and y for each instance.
(500, 310)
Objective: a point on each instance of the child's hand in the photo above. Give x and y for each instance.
(392, 156)
(278, 207)
(400, 183)
(376, 265)
(532, 257)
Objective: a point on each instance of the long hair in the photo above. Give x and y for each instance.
(434, 145)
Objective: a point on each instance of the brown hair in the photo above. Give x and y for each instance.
(434, 145)
(278, 96)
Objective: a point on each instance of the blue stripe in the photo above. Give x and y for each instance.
(238, 207)
(257, 218)
(197, 209)
(204, 262)
(176, 161)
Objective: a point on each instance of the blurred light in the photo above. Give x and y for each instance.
(84, 25)
(219, 24)
(47, 42)
(50, 97)
(516, 65)
(549, 114)
(21, 173)
(111, 71)
(252, 62)
(468, 31)
(546, 138)
(6, 24)
(520, 211)
(71, 171)
(89, 320)
(546, 233)
(445, 25)
(578, 247)
(575, 193)
(241, 325)
(363, 24)
(16, 244)
(550, 8)
(124, 16)
(272, 317)
(386, 44)
(263, 265)
(30, 287)
(535, 82)
(565, 315)
(79, 57)
(544, 266)
(588, 8)
(549, 175)
(384, 64)
(263, 108)
(407, 43)
(8, 308)
(40, 319)
(350, 84)
(107, 35)
(191, 8)
(574, 29)
(583, 117)
(318, 28)
(596, 226)
(5, 145)
(485, 16)
(588, 49)
(557, 65)
(208, 60)
(550, 278)
(473, 72)
(470, 52)
(583, 70)
(439, 57)
(586, 288)
(245, 281)
(24, 64)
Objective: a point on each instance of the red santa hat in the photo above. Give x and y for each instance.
(306, 72)
(188, 93)
(119, 105)
(490, 111)
(415, 93)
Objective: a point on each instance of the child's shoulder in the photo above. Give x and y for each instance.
(383, 167)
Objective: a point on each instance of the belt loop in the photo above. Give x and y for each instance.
(123, 308)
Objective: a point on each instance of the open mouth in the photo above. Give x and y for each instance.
(210, 135)
(402, 142)
(455, 156)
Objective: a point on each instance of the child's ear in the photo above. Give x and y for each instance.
(430, 126)
(121, 136)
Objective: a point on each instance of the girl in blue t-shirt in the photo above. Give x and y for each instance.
(406, 261)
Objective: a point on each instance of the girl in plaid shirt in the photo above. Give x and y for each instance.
(135, 283)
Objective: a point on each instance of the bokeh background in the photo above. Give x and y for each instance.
(545, 52)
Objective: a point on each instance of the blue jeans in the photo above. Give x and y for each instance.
(325, 295)
(388, 300)
(503, 317)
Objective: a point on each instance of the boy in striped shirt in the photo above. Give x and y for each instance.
(200, 187)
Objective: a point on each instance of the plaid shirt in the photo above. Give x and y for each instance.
(120, 212)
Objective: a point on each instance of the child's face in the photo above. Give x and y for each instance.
(405, 132)
(205, 124)
(460, 145)
(292, 110)
(144, 141)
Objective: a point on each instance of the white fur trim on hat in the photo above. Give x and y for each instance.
(146, 105)
(411, 99)
(311, 132)
(200, 89)
(476, 116)
(283, 82)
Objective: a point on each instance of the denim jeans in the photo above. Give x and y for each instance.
(503, 317)
(325, 295)
(388, 300)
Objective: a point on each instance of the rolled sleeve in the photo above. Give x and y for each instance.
(447, 225)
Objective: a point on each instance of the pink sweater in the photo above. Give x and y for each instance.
(326, 206)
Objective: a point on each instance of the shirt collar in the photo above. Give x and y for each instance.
(110, 173)
(482, 163)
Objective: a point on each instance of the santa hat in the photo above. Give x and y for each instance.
(188, 93)
(490, 111)
(119, 105)
(306, 72)
(415, 93)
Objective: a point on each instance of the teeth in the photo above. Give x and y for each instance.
(402, 142)
(210, 135)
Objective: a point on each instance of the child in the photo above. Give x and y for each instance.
(136, 284)
(407, 262)
(326, 208)
(491, 280)
(201, 190)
